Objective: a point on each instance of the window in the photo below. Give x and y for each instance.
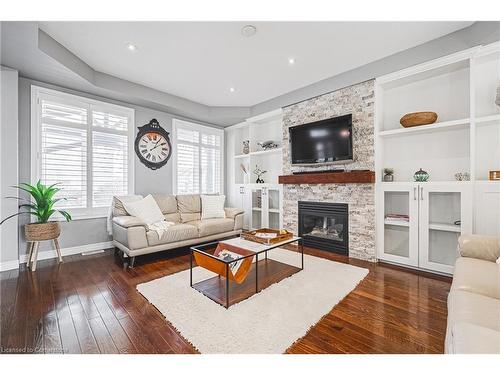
(198, 161)
(83, 145)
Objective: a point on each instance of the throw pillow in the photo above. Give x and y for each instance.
(146, 209)
(212, 206)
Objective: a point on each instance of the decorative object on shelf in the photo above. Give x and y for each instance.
(418, 119)
(462, 176)
(152, 145)
(245, 173)
(259, 172)
(42, 207)
(246, 147)
(495, 175)
(421, 176)
(388, 175)
(267, 145)
(259, 201)
(497, 100)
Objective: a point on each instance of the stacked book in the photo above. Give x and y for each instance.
(397, 217)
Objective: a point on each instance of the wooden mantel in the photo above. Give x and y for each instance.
(353, 177)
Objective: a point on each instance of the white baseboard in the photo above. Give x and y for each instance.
(9, 265)
(70, 251)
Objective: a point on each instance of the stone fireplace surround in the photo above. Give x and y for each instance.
(359, 100)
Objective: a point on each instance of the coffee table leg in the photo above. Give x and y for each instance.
(191, 268)
(302, 250)
(227, 285)
(256, 273)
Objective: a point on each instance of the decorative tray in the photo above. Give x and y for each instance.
(267, 236)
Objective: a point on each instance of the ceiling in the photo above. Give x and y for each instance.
(201, 61)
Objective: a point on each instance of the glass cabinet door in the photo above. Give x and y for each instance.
(273, 208)
(256, 207)
(442, 221)
(400, 228)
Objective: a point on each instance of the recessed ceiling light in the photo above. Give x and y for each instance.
(131, 47)
(291, 60)
(248, 30)
(232, 89)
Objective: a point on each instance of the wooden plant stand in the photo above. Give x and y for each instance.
(35, 233)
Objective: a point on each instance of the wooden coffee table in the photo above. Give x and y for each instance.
(263, 272)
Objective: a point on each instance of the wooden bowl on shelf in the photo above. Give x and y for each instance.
(418, 118)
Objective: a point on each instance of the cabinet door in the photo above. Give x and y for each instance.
(487, 208)
(274, 200)
(243, 203)
(445, 212)
(397, 223)
(256, 208)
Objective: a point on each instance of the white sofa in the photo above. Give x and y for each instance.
(474, 301)
(132, 236)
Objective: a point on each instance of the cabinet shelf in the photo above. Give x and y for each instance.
(438, 126)
(445, 227)
(486, 119)
(398, 223)
(242, 156)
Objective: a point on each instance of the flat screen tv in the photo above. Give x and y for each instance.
(322, 142)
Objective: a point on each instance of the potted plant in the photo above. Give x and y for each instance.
(388, 174)
(42, 207)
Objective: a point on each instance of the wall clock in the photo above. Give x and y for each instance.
(152, 145)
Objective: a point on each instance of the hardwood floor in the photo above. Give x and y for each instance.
(89, 304)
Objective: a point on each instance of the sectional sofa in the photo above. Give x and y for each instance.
(132, 236)
(474, 299)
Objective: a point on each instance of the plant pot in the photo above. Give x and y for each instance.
(42, 231)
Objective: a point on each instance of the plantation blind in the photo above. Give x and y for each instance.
(82, 145)
(198, 159)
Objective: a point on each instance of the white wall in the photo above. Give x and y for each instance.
(90, 231)
(8, 164)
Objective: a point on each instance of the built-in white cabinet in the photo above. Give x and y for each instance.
(422, 223)
(461, 88)
(262, 202)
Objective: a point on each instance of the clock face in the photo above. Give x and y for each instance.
(154, 147)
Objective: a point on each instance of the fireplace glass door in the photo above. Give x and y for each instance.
(324, 225)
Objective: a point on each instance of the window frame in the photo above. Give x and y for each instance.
(178, 123)
(37, 94)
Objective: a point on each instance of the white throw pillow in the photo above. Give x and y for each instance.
(146, 209)
(212, 206)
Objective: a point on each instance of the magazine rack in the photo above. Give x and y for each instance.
(218, 266)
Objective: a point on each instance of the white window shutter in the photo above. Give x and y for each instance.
(64, 152)
(198, 158)
(84, 146)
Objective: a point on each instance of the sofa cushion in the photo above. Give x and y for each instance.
(212, 206)
(474, 309)
(145, 209)
(174, 233)
(477, 276)
(208, 227)
(117, 204)
(174, 218)
(469, 338)
(480, 247)
(189, 207)
(166, 202)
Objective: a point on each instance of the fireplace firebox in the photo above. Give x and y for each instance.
(325, 226)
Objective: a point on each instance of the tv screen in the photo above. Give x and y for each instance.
(326, 141)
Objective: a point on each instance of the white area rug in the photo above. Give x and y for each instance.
(268, 322)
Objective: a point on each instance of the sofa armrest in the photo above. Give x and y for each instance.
(479, 247)
(129, 221)
(231, 212)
